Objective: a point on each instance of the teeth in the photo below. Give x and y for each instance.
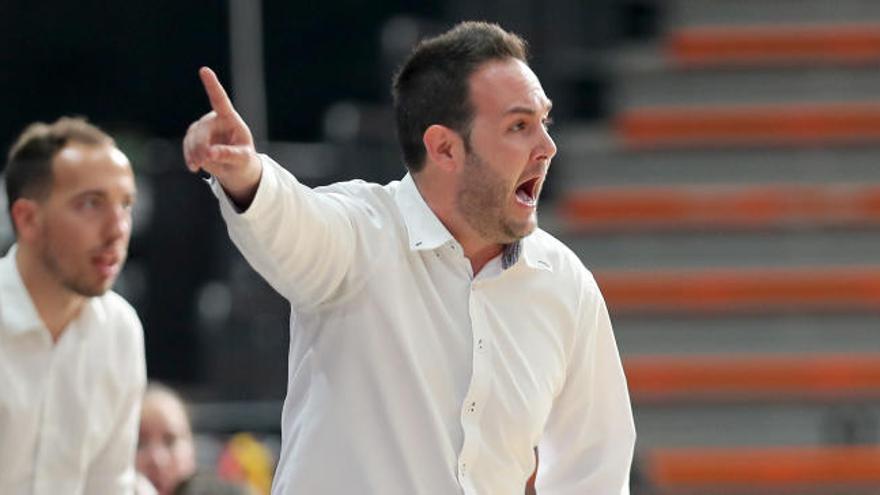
(525, 198)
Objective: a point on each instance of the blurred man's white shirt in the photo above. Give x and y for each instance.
(410, 375)
(68, 410)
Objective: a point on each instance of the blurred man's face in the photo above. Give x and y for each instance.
(510, 152)
(85, 222)
(165, 452)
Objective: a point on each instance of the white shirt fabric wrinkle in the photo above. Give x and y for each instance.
(408, 375)
(69, 409)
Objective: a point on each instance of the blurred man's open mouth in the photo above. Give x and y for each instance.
(527, 192)
(107, 264)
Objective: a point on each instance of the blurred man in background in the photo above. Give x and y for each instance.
(166, 452)
(437, 336)
(72, 367)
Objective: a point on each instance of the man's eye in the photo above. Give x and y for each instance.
(91, 203)
(548, 122)
(518, 126)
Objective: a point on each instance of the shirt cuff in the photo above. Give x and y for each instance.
(268, 182)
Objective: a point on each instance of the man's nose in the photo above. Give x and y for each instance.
(118, 222)
(546, 148)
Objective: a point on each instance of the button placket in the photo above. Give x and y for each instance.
(47, 414)
(475, 399)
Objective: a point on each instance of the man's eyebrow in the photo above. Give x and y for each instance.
(90, 192)
(102, 193)
(528, 110)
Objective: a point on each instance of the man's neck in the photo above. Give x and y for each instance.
(476, 249)
(479, 253)
(56, 305)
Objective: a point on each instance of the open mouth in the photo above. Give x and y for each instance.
(107, 264)
(527, 192)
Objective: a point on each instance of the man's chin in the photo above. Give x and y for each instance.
(93, 291)
(96, 289)
(521, 230)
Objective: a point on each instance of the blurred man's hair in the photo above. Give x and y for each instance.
(158, 389)
(432, 86)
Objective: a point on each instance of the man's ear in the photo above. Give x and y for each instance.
(443, 147)
(26, 218)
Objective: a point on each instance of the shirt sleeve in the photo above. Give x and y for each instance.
(112, 470)
(301, 241)
(588, 441)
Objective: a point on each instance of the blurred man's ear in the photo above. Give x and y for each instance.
(443, 147)
(25, 218)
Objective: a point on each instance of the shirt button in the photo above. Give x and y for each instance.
(481, 346)
(472, 407)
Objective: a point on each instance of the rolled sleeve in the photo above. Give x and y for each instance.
(301, 241)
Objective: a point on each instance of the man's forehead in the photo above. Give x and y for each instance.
(510, 84)
(79, 167)
(74, 152)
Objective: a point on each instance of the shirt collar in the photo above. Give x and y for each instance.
(533, 253)
(17, 312)
(426, 232)
(423, 227)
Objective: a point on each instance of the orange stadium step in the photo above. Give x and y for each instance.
(789, 125)
(752, 290)
(774, 469)
(714, 206)
(761, 45)
(729, 378)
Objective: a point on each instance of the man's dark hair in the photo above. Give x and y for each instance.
(432, 86)
(29, 165)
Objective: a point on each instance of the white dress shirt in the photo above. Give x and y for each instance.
(409, 375)
(68, 410)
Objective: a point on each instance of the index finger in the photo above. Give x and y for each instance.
(220, 102)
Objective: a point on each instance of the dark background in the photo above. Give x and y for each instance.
(211, 325)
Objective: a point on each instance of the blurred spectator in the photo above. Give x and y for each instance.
(72, 368)
(166, 452)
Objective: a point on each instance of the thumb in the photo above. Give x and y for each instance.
(237, 156)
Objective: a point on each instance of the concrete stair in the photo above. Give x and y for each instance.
(730, 210)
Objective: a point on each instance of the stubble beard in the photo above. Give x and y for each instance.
(71, 282)
(482, 200)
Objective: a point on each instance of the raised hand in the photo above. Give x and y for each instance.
(221, 144)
